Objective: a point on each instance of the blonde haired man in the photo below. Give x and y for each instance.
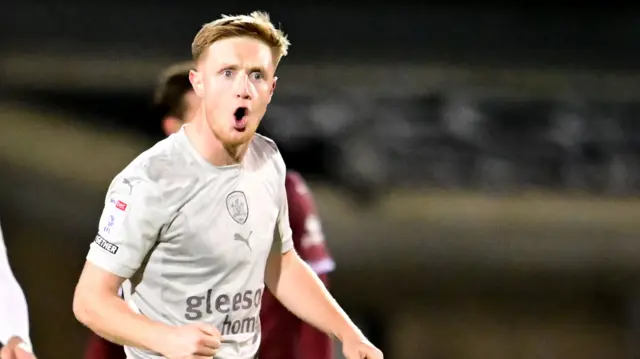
(199, 222)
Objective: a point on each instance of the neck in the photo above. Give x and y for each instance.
(210, 147)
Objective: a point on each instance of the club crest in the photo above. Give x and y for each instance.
(238, 207)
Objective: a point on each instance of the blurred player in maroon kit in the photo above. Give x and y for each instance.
(284, 336)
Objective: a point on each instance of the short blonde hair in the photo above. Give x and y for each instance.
(256, 25)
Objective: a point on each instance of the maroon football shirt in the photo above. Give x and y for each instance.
(284, 336)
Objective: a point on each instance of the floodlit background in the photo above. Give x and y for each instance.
(477, 170)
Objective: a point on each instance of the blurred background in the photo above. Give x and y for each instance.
(477, 169)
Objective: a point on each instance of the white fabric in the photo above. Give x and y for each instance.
(194, 238)
(14, 315)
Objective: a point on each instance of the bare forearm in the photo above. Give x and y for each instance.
(111, 318)
(300, 290)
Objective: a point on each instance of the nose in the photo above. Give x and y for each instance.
(242, 88)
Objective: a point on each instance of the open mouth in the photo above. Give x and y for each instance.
(240, 115)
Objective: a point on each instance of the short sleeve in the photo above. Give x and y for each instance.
(129, 227)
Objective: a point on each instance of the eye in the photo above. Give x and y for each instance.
(227, 73)
(256, 75)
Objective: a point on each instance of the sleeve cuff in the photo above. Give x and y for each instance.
(106, 261)
(286, 246)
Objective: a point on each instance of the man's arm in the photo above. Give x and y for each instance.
(129, 227)
(300, 290)
(97, 305)
(13, 304)
(297, 287)
(308, 240)
(313, 343)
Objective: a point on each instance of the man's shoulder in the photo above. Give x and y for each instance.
(296, 185)
(267, 151)
(294, 178)
(153, 166)
(265, 144)
(152, 162)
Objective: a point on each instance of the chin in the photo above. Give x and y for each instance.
(237, 138)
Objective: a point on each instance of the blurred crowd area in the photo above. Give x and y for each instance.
(471, 141)
(477, 171)
(505, 138)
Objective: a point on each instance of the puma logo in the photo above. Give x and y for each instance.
(239, 237)
(130, 184)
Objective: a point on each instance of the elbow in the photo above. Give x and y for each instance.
(83, 309)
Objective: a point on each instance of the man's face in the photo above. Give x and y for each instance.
(235, 79)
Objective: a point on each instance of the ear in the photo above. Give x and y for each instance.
(171, 124)
(195, 78)
(273, 88)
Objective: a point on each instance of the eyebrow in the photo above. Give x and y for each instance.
(251, 69)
